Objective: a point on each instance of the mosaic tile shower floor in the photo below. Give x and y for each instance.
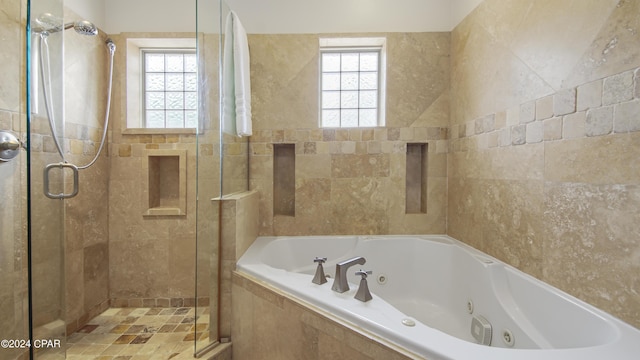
(140, 334)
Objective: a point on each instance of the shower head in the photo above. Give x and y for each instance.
(48, 24)
(83, 27)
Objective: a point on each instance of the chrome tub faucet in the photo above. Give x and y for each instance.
(340, 284)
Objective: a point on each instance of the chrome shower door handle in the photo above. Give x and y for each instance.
(61, 195)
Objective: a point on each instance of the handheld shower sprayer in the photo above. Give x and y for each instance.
(47, 24)
(82, 27)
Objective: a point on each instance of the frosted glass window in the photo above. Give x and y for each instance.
(155, 119)
(171, 88)
(350, 90)
(331, 81)
(174, 118)
(191, 118)
(175, 82)
(349, 118)
(155, 100)
(155, 82)
(154, 63)
(368, 99)
(331, 99)
(190, 100)
(190, 82)
(331, 118)
(349, 100)
(330, 62)
(368, 117)
(349, 81)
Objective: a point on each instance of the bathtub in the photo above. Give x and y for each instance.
(429, 290)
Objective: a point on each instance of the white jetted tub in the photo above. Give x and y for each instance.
(429, 290)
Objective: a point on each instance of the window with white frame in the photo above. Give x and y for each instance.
(170, 88)
(352, 80)
(162, 85)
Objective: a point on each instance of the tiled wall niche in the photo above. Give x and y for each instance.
(284, 179)
(166, 182)
(416, 179)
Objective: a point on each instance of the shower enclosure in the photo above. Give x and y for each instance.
(64, 259)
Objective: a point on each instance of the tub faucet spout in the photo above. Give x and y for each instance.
(340, 284)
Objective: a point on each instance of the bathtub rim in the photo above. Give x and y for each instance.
(622, 330)
(319, 311)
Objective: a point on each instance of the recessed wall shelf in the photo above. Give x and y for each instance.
(165, 190)
(416, 179)
(284, 179)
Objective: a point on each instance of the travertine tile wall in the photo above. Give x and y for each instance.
(152, 257)
(86, 250)
(13, 233)
(239, 224)
(349, 181)
(544, 149)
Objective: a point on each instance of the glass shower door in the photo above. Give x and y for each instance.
(46, 215)
(208, 178)
(13, 234)
(13, 240)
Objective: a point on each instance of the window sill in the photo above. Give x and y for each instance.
(156, 131)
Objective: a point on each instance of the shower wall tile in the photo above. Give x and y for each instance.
(96, 275)
(557, 197)
(85, 216)
(613, 49)
(637, 82)
(11, 29)
(13, 240)
(148, 279)
(349, 181)
(592, 244)
(589, 95)
(240, 218)
(598, 160)
(153, 259)
(543, 34)
(618, 88)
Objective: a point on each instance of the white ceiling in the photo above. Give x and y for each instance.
(279, 16)
(322, 16)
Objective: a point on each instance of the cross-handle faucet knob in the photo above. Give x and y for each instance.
(319, 277)
(363, 294)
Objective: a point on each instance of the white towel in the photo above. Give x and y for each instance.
(236, 97)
